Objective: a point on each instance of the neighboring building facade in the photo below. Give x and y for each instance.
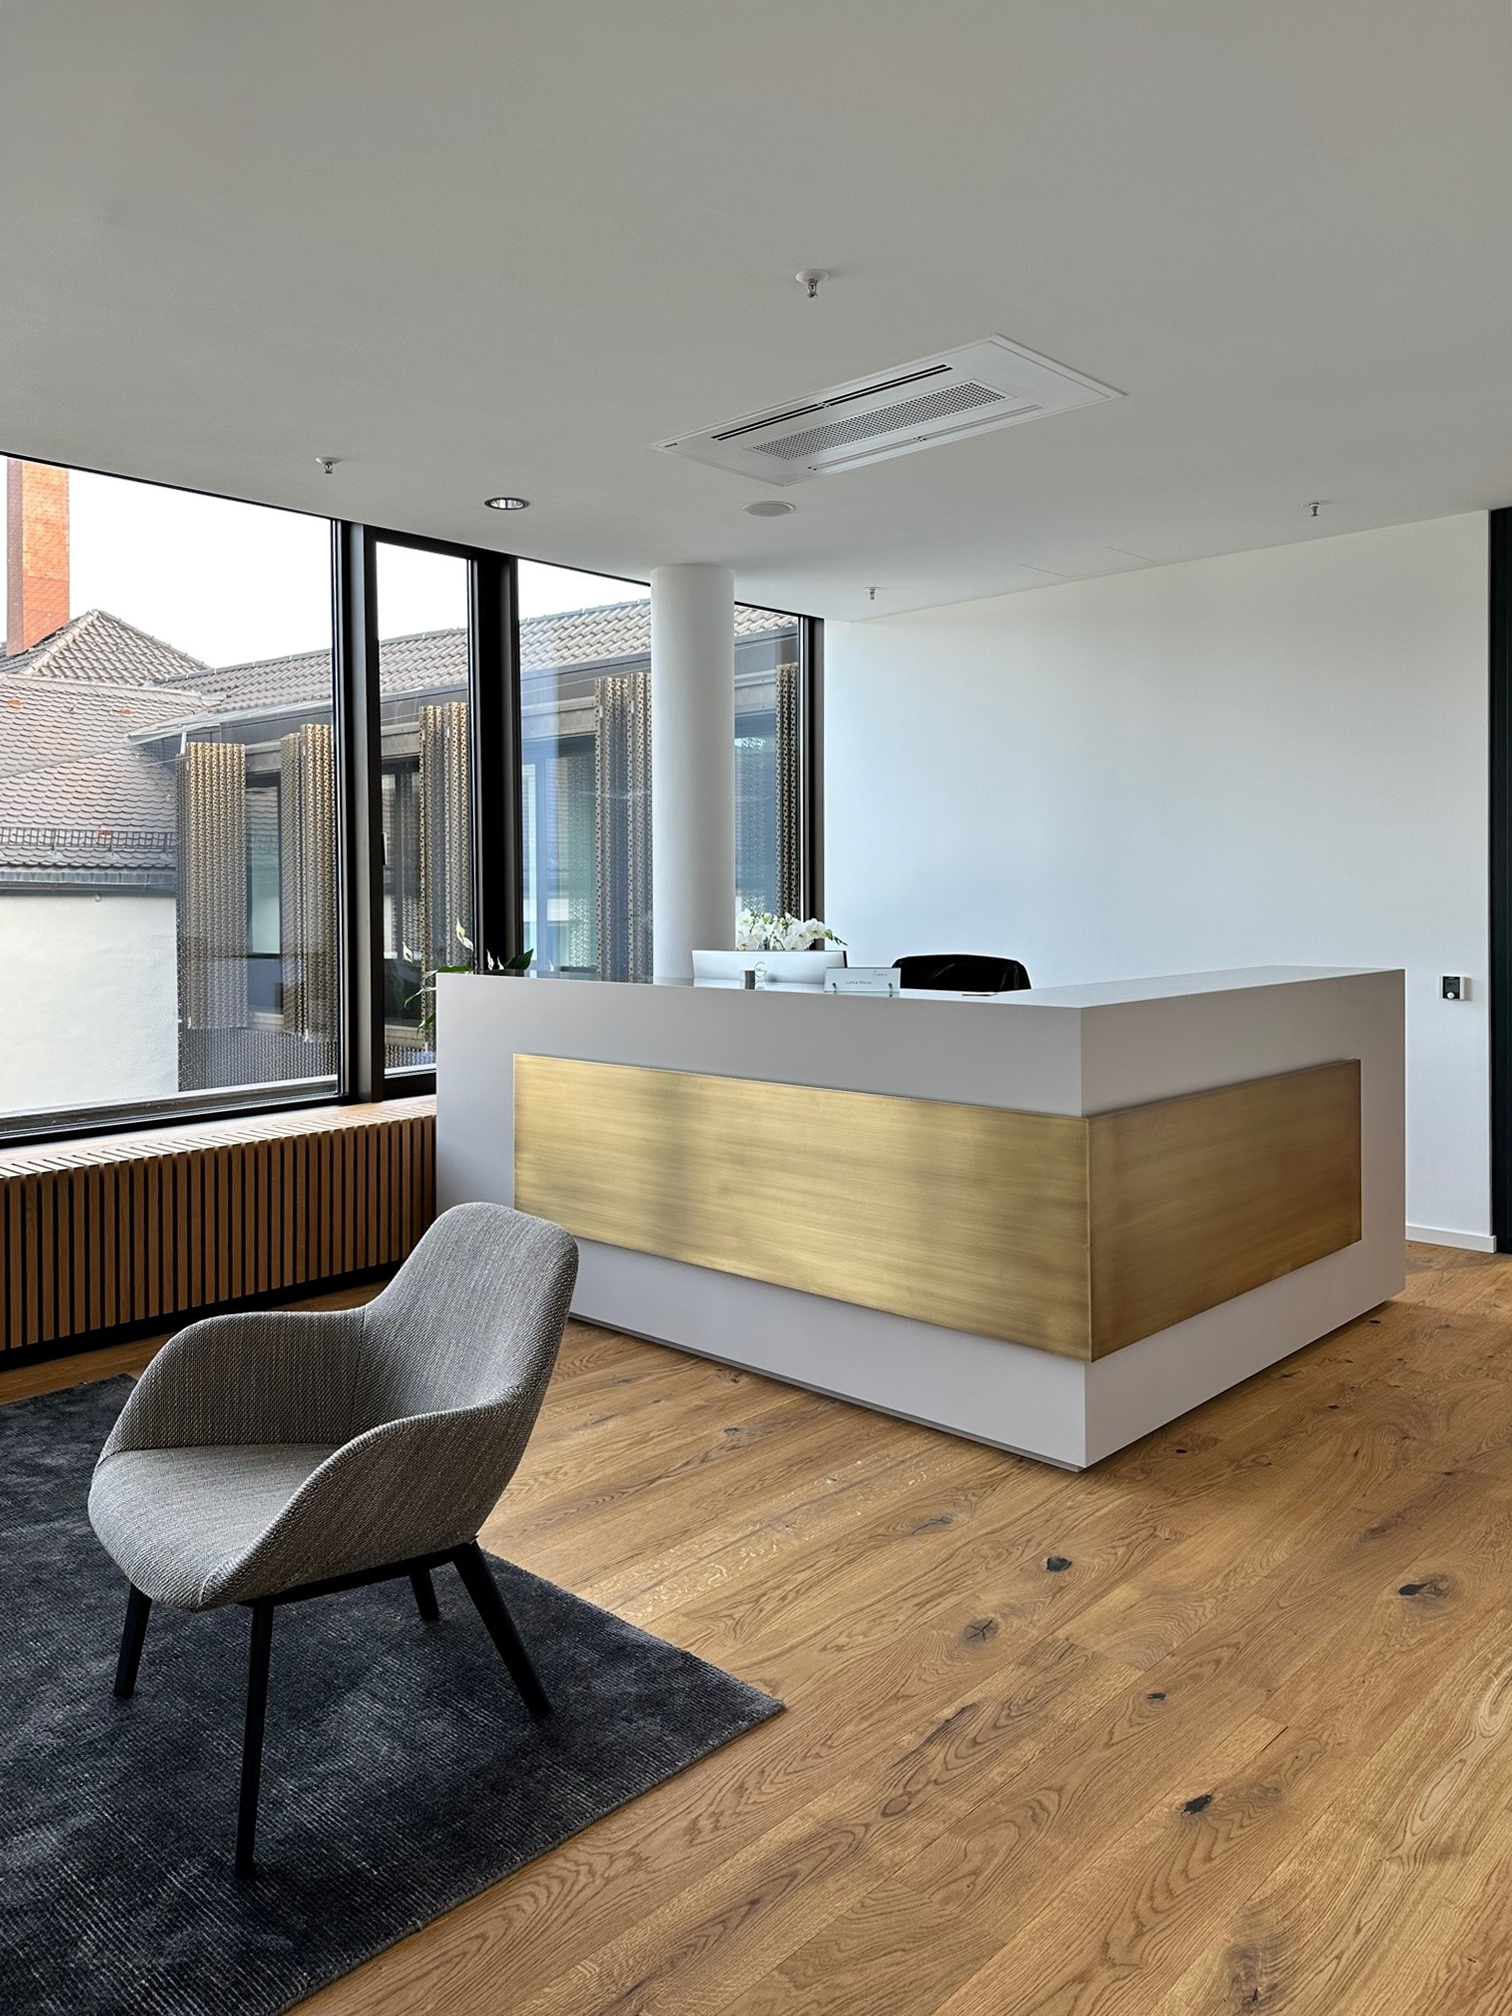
(88, 857)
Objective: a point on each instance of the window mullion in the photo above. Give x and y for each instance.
(359, 811)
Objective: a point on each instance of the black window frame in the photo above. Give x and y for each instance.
(811, 762)
(495, 790)
(1499, 532)
(493, 742)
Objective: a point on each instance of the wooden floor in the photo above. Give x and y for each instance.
(1225, 1724)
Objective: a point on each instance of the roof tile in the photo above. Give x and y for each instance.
(98, 646)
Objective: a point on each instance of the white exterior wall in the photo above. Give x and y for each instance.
(88, 1000)
(1269, 757)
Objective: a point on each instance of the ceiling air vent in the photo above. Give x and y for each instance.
(988, 384)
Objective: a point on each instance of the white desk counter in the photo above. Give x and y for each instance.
(714, 1198)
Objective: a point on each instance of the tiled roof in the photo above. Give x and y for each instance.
(79, 790)
(619, 630)
(74, 791)
(27, 843)
(438, 658)
(100, 647)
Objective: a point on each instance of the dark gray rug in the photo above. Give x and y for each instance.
(401, 1773)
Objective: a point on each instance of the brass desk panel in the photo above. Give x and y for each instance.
(968, 1216)
(1195, 1200)
(1072, 1235)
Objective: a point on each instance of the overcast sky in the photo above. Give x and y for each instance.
(228, 582)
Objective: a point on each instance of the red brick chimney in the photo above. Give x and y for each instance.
(36, 545)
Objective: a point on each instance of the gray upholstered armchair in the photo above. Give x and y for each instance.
(268, 1457)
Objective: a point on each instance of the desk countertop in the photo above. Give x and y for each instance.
(1166, 986)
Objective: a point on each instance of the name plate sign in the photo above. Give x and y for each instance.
(863, 980)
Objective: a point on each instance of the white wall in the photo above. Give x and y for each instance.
(88, 1000)
(1270, 757)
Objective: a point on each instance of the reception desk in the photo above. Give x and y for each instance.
(1049, 1220)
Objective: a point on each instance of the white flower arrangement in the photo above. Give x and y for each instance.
(760, 931)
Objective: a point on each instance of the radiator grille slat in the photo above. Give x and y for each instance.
(147, 1227)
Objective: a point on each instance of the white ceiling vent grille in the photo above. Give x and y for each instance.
(988, 384)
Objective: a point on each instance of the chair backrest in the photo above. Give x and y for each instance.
(961, 973)
(473, 1316)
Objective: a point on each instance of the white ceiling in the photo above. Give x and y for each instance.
(475, 246)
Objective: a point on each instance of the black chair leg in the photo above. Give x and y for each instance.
(425, 1595)
(477, 1579)
(138, 1608)
(257, 1714)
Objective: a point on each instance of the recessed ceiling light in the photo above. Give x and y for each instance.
(769, 507)
(507, 503)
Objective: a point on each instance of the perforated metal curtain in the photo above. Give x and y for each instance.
(789, 794)
(622, 767)
(212, 885)
(446, 900)
(307, 882)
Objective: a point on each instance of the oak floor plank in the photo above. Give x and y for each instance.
(747, 1909)
(1020, 1544)
(1037, 1824)
(801, 1510)
(1336, 1921)
(987, 1875)
(1457, 1952)
(611, 1452)
(1112, 1937)
(1030, 1837)
(811, 1803)
(614, 1519)
(1192, 1583)
(1108, 1924)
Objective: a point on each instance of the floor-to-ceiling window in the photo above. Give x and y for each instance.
(585, 772)
(192, 914)
(167, 898)
(585, 712)
(768, 855)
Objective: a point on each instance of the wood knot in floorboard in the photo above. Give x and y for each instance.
(1430, 1585)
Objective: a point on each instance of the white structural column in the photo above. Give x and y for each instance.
(692, 764)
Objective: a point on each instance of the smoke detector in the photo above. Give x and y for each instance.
(989, 384)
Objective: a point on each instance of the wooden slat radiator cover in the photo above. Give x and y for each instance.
(1073, 1235)
(131, 1228)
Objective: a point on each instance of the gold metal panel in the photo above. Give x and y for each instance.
(1197, 1199)
(1077, 1236)
(968, 1216)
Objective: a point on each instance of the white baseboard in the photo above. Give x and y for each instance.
(1440, 1235)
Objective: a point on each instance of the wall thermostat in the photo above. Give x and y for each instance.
(1455, 987)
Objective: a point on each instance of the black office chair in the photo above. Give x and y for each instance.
(961, 973)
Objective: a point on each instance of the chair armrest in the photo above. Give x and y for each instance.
(265, 1376)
